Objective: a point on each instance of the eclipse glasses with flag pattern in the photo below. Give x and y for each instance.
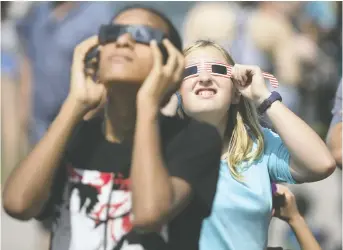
(219, 69)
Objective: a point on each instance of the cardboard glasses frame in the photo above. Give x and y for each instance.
(220, 69)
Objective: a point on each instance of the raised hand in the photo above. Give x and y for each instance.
(289, 210)
(86, 93)
(250, 82)
(163, 80)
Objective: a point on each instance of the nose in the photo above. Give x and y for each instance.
(125, 40)
(205, 78)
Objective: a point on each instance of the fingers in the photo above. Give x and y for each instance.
(164, 80)
(181, 66)
(242, 74)
(239, 74)
(175, 63)
(247, 68)
(157, 56)
(91, 67)
(234, 75)
(234, 78)
(281, 189)
(81, 50)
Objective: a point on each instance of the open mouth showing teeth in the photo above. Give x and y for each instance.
(205, 92)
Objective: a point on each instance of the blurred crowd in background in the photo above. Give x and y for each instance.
(299, 42)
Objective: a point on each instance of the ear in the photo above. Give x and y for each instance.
(236, 96)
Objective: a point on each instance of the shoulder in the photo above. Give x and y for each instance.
(269, 134)
(271, 139)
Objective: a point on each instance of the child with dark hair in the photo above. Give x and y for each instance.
(85, 174)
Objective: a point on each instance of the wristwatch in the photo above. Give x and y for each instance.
(275, 96)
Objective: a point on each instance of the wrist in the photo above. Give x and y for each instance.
(147, 113)
(147, 107)
(74, 108)
(295, 220)
(259, 100)
(268, 102)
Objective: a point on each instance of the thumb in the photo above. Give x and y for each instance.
(157, 56)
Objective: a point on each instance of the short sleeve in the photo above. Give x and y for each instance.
(278, 162)
(337, 108)
(194, 156)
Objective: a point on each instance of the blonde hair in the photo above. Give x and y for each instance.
(243, 117)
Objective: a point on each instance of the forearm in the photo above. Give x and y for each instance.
(151, 187)
(309, 154)
(29, 184)
(303, 233)
(335, 143)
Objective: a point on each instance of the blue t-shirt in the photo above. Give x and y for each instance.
(241, 211)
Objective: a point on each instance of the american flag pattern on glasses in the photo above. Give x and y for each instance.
(220, 69)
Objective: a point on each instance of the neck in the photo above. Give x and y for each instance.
(221, 125)
(120, 112)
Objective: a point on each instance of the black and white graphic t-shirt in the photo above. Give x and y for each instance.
(90, 202)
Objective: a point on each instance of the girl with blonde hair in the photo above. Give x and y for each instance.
(227, 95)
